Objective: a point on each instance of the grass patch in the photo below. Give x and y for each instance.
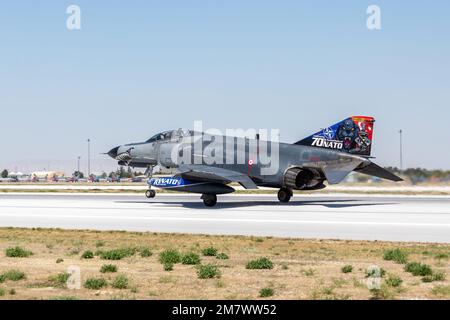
(59, 260)
(145, 252)
(375, 272)
(88, 254)
(394, 281)
(117, 254)
(222, 256)
(208, 271)
(190, 258)
(443, 291)
(95, 283)
(120, 282)
(266, 292)
(418, 269)
(2, 292)
(209, 252)
(168, 266)
(438, 276)
(18, 252)
(170, 256)
(59, 280)
(12, 275)
(261, 263)
(347, 268)
(108, 268)
(396, 255)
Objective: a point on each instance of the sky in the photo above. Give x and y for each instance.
(139, 67)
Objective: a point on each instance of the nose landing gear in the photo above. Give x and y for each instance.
(150, 193)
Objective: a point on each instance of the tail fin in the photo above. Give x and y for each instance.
(353, 135)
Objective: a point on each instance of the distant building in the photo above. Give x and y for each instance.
(47, 175)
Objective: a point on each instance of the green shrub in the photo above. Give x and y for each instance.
(2, 292)
(261, 263)
(145, 252)
(108, 268)
(396, 255)
(209, 252)
(222, 256)
(59, 260)
(266, 292)
(12, 292)
(170, 256)
(18, 252)
(208, 271)
(168, 266)
(434, 277)
(347, 269)
(13, 275)
(118, 254)
(120, 282)
(59, 280)
(394, 281)
(418, 269)
(87, 255)
(95, 283)
(190, 258)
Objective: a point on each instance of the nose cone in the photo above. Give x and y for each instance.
(113, 152)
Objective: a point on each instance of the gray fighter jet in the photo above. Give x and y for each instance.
(208, 163)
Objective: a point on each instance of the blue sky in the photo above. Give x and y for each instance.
(139, 67)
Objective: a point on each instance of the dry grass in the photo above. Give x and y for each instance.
(303, 269)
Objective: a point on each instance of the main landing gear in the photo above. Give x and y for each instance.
(150, 193)
(284, 195)
(209, 200)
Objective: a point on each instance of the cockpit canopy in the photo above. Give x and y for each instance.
(170, 135)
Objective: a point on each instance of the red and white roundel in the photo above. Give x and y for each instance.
(250, 162)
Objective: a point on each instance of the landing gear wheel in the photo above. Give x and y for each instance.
(284, 195)
(150, 193)
(209, 200)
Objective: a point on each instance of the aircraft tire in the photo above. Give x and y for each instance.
(209, 200)
(284, 195)
(150, 193)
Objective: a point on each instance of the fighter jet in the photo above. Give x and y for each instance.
(210, 164)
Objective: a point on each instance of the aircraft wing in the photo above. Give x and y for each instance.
(213, 174)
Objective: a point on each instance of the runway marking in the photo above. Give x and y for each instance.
(408, 224)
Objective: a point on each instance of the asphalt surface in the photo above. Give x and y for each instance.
(353, 217)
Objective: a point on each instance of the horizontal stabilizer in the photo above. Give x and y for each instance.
(375, 170)
(337, 172)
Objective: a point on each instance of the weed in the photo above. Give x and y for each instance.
(108, 268)
(396, 255)
(190, 258)
(17, 252)
(266, 292)
(209, 252)
(87, 255)
(347, 269)
(170, 256)
(222, 256)
(208, 271)
(261, 263)
(95, 283)
(418, 269)
(120, 282)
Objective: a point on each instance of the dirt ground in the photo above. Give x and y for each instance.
(303, 269)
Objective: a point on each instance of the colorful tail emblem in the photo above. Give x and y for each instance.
(353, 135)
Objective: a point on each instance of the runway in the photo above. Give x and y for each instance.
(352, 217)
